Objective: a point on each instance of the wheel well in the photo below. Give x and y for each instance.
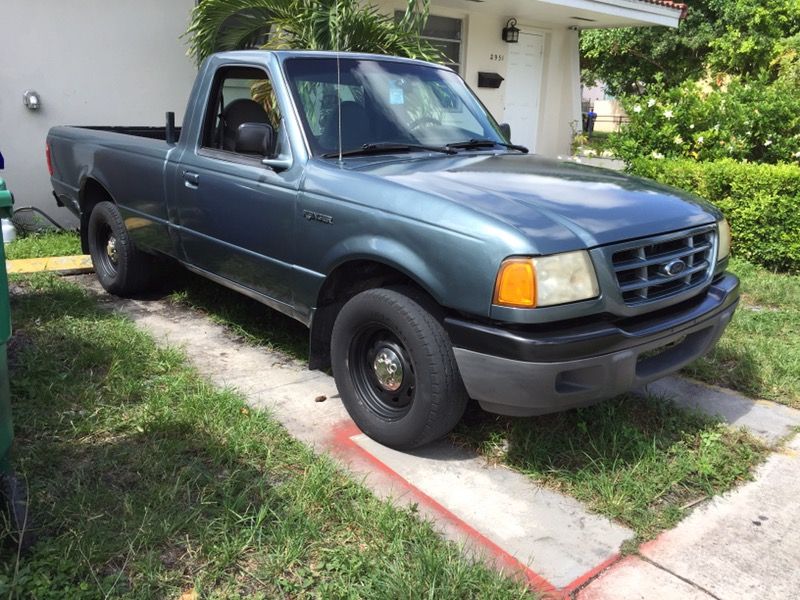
(92, 194)
(344, 282)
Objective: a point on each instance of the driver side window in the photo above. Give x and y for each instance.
(242, 116)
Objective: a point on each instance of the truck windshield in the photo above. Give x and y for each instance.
(388, 104)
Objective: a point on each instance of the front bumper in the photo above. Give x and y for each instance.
(525, 372)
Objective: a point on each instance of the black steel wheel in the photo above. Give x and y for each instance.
(107, 256)
(121, 268)
(395, 369)
(382, 371)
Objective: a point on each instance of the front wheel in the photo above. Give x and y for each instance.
(395, 370)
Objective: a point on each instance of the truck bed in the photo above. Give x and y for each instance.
(153, 133)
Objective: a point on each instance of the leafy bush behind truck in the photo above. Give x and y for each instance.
(375, 200)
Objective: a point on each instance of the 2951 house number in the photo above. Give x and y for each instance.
(497, 57)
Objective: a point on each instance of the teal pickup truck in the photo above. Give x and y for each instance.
(376, 200)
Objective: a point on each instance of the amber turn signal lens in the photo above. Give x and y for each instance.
(516, 283)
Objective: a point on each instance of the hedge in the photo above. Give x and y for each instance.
(761, 202)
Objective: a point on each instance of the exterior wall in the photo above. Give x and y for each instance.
(560, 102)
(93, 62)
(610, 115)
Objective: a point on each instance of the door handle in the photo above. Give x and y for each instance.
(191, 179)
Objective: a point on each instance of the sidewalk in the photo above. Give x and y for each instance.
(741, 545)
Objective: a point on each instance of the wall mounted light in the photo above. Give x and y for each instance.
(510, 32)
(31, 100)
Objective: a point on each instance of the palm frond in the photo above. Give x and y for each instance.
(344, 25)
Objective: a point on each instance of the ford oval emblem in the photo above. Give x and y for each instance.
(674, 267)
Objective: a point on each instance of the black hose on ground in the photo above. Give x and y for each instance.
(29, 224)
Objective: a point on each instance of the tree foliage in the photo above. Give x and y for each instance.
(346, 25)
(625, 58)
(732, 37)
(723, 86)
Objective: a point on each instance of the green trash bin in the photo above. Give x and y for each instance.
(11, 491)
(6, 429)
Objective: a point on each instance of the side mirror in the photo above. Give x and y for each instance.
(283, 161)
(505, 129)
(254, 138)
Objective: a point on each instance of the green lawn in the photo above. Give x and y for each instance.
(759, 354)
(243, 316)
(146, 482)
(640, 461)
(37, 245)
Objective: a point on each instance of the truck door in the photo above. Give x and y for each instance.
(235, 214)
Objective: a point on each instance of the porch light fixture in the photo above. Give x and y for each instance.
(510, 32)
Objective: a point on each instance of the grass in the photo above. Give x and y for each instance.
(640, 461)
(248, 319)
(146, 482)
(598, 141)
(759, 354)
(39, 245)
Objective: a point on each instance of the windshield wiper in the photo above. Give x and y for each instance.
(388, 147)
(476, 143)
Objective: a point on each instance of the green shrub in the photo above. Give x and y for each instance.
(754, 121)
(761, 202)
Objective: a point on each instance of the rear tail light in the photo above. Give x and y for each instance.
(49, 161)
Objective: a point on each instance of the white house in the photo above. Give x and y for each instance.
(94, 62)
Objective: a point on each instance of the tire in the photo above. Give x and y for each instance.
(121, 268)
(378, 331)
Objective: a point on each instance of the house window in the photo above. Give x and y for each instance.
(443, 33)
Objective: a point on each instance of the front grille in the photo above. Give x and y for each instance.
(651, 270)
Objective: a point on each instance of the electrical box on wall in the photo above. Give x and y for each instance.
(489, 80)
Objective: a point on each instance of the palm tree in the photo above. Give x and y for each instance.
(345, 25)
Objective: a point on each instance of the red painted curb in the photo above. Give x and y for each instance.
(583, 579)
(342, 440)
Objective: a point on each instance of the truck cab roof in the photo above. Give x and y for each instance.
(282, 55)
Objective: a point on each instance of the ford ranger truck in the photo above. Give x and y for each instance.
(375, 200)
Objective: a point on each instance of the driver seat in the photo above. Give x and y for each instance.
(242, 110)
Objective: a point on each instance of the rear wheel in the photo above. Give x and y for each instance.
(121, 268)
(395, 369)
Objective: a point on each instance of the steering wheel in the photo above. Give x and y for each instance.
(417, 123)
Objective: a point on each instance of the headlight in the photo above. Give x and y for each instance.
(724, 243)
(546, 280)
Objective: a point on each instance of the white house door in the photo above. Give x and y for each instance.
(524, 88)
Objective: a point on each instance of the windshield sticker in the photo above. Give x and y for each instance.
(396, 95)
